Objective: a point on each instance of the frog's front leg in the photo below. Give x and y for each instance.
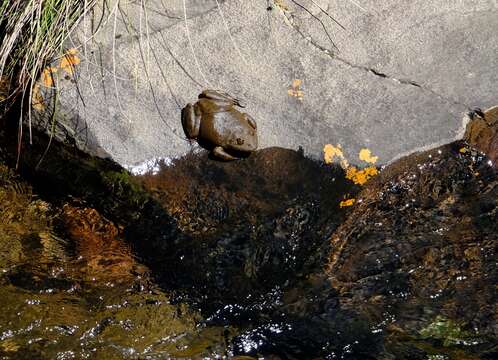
(222, 154)
(191, 121)
(222, 99)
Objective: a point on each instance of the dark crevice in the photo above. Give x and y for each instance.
(333, 56)
(378, 73)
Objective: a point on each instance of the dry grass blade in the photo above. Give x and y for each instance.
(32, 32)
(320, 21)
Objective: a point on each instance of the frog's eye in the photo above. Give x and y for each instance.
(240, 141)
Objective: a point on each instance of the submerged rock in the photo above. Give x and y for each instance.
(422, 244)
(69, 284)
(267, 248)
(247, 226)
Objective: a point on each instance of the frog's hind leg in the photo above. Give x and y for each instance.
(222, 154)
(221, 98)
(191, 123)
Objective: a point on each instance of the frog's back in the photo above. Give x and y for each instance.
(218, 128)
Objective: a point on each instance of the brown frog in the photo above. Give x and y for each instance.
(215, 123)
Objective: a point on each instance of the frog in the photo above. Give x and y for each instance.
(215, 123)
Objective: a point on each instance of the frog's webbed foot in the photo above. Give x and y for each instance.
(222, 98)
(222, 154)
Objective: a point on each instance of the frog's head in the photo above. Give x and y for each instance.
(244, 138)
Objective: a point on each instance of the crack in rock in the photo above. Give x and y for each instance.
(289, 19)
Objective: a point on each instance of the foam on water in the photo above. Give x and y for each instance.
(151, 166)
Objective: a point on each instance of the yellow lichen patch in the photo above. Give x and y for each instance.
(360, 177)
(69, 61)
(295, 89)
(330, 152)
(366, 155)
(47, 77)
(344, 164)
(347, 202)
(37, 99)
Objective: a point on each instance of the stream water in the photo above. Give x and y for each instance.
(250, 259)
(71, 288)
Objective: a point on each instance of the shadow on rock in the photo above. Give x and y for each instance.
(249, 226)
(240, 241)
(253, 245)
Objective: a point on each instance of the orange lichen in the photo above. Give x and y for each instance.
(344, 164)
(295, 89)
(37, 99)
(360, 177)
(330, 152)
(47, 77)
(347, 202)
(366, 155)
(69, 61)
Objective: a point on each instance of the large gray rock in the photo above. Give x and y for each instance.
(404, 74)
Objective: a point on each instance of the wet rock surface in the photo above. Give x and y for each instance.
(422, 244)
(259, 255)
(251, 253)
(482, 132)
(247, 227)
(418, 250)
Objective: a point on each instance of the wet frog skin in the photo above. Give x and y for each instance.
(215, 122)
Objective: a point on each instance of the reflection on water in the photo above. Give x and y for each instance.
(151, 166)
(70, 288)
(258, 259)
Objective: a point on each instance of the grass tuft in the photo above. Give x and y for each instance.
(32, 32)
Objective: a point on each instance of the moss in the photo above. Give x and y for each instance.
(449, 332)
(123, 185)
(126, 195)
